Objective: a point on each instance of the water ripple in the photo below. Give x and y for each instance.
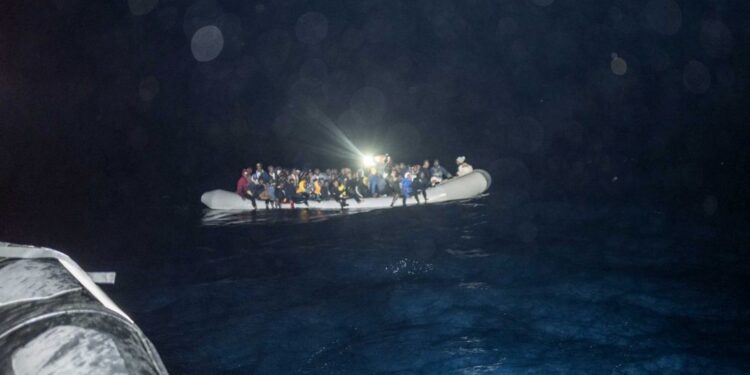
(409, 267)
(470, 253)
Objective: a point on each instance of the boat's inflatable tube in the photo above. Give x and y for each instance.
(468, 186)
(55, 320)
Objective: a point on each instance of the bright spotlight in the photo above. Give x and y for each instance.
(368, 160)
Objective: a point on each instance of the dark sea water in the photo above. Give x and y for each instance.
(484, 286)
(467, 288)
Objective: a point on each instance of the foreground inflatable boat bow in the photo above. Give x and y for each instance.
(55, 320)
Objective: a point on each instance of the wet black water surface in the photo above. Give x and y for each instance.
(474, 287)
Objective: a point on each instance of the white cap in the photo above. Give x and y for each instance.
(460, 159)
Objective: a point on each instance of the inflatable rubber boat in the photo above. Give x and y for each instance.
(467, 186)
(55, 320)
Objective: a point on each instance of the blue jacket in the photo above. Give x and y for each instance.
(262, 176)
(406, 187)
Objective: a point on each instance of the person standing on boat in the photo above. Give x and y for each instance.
(424, 178)
(261, 174)
(406, 188)
(372, 181)
(383, 166)
(464, 168)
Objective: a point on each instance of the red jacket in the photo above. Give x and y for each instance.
(242, 186)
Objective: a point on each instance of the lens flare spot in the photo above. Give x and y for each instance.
(618, 65)
(207, 43)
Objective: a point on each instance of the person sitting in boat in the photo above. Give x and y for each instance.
(302, 194)
(292, 178)
(338, 192)
(243, 187)
(280, 191)
(438, 173)
(363, 187)
(288, 191)
(464, 168)
(422, 177)
(309, 185)
(329, 186)
(351, 187)
(407, 189)
(242, 183)
(317, 189)
(325, 188)
(258, 187)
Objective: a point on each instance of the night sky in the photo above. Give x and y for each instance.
(114, 105)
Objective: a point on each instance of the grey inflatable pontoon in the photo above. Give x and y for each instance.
(465, 187)
(55, 320)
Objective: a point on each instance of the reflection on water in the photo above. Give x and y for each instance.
(244, 217)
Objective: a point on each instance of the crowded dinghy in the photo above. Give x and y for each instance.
(380, 184)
